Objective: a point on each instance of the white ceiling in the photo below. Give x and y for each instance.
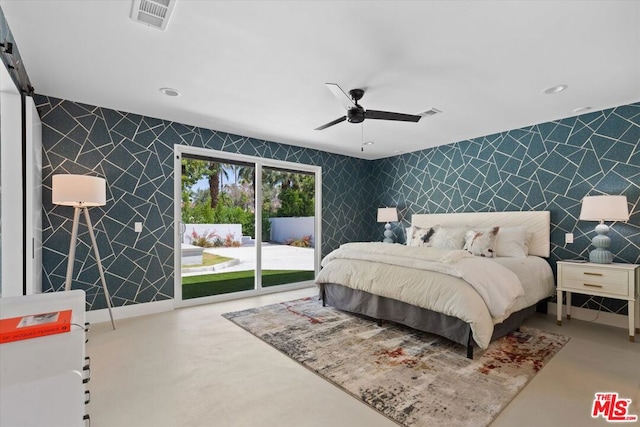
(258, 68)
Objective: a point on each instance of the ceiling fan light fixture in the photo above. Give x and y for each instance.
(356, 112)
(368, 143)
(169, 91)
(555, 89)
(355, 115)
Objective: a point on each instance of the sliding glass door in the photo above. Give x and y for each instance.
(244, 225)
(218, 233)
(288, 207)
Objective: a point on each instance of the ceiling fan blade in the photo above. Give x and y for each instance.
(344, 99)
(387, 115)
(335, 122)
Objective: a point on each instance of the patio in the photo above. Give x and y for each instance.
(274, 257)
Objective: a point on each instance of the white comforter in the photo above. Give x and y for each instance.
(381, 269)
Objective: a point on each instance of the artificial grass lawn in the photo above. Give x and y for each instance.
(223, 283)
(208, 259)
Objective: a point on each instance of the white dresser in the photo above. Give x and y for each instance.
(43, 380)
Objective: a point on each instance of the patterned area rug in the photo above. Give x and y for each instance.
(414, 378)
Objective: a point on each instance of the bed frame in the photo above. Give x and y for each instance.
(386, 309)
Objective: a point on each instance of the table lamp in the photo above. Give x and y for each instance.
(603, 208)
(387, 215)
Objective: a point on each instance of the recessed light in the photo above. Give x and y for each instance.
(555, 89)
(581, 109)
(169, 92)
(368, 143)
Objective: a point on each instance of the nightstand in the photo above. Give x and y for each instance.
(619, 281)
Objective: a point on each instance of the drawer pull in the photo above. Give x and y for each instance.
(86, 374)
(592, 286)
(592, 274)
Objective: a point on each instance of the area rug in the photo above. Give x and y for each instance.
(414, 378)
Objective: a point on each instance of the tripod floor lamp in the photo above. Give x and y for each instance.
(81, 192)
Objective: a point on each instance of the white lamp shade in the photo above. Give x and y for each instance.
(387, 215)
(78, 190)
(604, 208)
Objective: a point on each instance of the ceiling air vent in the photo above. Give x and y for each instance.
(429, 113)
(154, 13)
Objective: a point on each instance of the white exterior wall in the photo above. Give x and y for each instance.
(283, 229)
(221, 230)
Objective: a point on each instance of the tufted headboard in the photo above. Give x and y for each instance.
(537, 222)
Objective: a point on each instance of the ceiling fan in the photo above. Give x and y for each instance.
(356, 112)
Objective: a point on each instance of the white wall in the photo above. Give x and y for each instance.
(17, 250)
(11, 173)
(33, 240)
(284, 229)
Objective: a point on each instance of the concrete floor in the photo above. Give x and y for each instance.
(191, 367)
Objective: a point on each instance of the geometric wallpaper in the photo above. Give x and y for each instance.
(135, 155)
(549, 166)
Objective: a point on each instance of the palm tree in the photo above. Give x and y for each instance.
(216, 171)
(247, 174)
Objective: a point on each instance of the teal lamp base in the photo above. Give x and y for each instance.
(388, 234)
(601, 254)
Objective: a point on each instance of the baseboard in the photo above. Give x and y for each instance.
(142, 309)
(603, 318)
(126, 311)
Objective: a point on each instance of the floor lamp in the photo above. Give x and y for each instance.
(81, 192)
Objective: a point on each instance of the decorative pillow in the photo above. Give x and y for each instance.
(511, 242)
(408, 234)
(448, 238)
(422, 236)
(481, 242)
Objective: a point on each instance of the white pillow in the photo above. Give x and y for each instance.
(421, 236)
(481, 242)
(448, 238)
(511, 242)
(408, 234)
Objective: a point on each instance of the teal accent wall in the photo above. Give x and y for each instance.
(135, 155)
(549, 166)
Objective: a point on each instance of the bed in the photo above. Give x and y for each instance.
(460, 294)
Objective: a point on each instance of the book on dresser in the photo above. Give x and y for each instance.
(34, 325)
(51, 371)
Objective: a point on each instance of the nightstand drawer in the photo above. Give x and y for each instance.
(596, 279)
(621, 289)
